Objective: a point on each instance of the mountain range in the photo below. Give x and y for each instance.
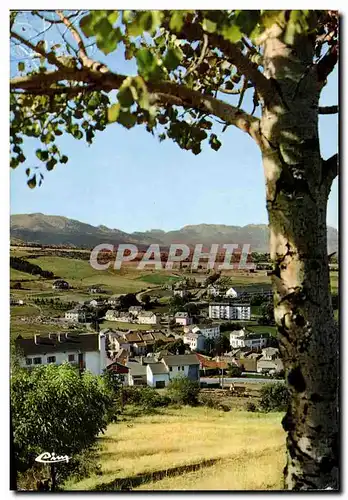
(62, 231)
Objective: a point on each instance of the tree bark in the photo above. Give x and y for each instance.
(297, 191)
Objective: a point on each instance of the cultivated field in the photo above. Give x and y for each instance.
(191, 449)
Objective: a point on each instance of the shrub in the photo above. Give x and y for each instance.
(145, 397)
(54, 408)
(274, 397)
(250, 406)
(182, 390)
(234, 371)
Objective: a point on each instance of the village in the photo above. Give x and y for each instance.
(204, 335)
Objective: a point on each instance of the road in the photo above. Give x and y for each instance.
(239, 380)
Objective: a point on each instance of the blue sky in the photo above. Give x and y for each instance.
(128, 180)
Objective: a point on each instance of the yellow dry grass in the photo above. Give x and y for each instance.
(248, 449)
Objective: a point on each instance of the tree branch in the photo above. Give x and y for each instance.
(234, 91)
(82, 54)
(201, 57)
(194, 32)
(164, 92)
(328, 110)
(51, 58)
(330, 170)
(327, 63)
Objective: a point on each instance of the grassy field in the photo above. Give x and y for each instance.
(232, 451)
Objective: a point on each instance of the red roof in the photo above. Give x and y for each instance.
(117, 367)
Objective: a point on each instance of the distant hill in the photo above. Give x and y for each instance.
(57, 230)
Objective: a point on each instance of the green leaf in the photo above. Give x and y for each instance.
(146, 62)
(125, 97)
(32, 182)
(127, 119)
(51, 164)
(214, 142)
(42, 155)
(173, 58)
(232, 33)
(86, 24)
(64, 159)
(21, 66)
(209, 25)
(113, 112)
(27, 171)
(113, 16)
(177, 20)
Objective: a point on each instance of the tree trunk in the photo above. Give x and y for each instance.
(297, 191)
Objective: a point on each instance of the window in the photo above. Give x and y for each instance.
(28, 361)
(51, 359)
(37, 361)
(71, 358)
(170, 368)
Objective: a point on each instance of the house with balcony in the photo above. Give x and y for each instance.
(229, 310)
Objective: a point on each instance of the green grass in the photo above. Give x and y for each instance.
(25, 310)
(16, 275)
(246, 450)
(80, 274)
(159, 278)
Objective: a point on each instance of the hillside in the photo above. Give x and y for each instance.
(57, 230)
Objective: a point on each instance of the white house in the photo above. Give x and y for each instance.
(210, 331)
(229, 310)
(86, 350)
(157, 375)
(257, 340)
(96, 303)
(147, 318)
(16, 302)
(237, 338)
(231, 293)
(214, 291)
(135, 310)
(112, 315)
(183, 318)
(241, 338)
(196, 341)
(77, 315)
(137, 373)
(113, 301)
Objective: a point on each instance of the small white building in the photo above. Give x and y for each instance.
(229, 310)
(196, 341)
(214, 291)
(180, 292)
(183, 318)
(237, 338)
(157, 375)
(242, 338)
(147, 318)
(113, 315)
(77, 315)
(86, 350)
(231, 293)
(135, 310)
(209, 331)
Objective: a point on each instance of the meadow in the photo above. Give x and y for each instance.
(190, 449)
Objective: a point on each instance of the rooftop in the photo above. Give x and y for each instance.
(181, 359)
(84, 342)
(158, 368)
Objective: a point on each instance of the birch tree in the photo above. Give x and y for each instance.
(188, 65)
